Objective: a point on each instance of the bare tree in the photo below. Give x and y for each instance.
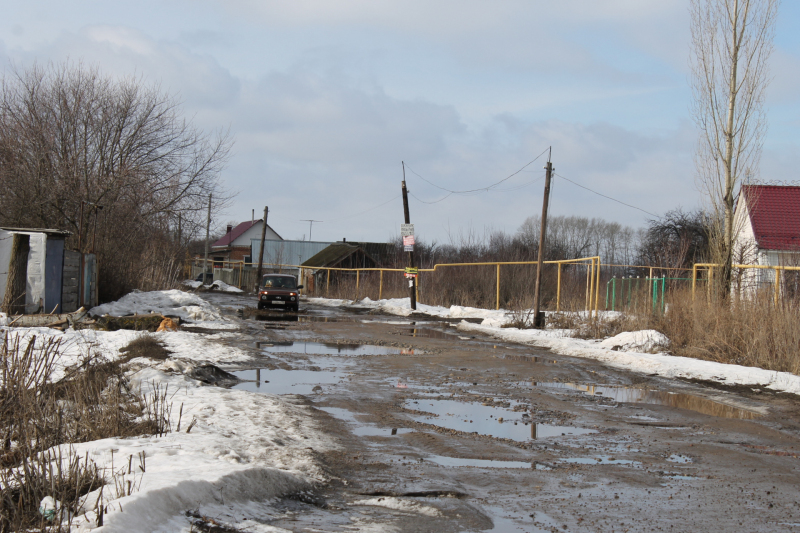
(732, 42)
(72, 139)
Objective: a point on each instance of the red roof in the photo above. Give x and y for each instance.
(775, 215)
(235, 233)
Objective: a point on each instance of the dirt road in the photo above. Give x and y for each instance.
(445, 432)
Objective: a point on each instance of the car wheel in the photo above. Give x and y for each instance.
(296, 308)
(260, 306)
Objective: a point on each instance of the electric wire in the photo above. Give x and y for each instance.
(481, 189)
(605, 196)
(367, 211)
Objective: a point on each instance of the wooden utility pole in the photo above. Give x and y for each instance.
(538, 316)
(412, 286)
(261, 252)
(208, 230)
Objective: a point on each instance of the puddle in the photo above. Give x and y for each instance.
(477, 463)
(526, 358)
(655, 397)
(429, 333)
(485, 420)
(679, 459)
(287, 381)
(682, 477)
(326, 348)
(363, 429)
(600, 460)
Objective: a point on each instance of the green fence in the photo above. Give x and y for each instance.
(624, 293)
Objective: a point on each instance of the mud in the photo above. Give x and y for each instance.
(426, 450)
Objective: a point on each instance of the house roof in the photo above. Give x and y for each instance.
(332, 255)
(50, 232)
(775, 215)
(237, 232)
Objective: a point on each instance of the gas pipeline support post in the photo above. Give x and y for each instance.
(407, 232)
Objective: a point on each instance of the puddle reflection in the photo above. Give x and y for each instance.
(477, 463)
(429, 333)
(678, 400)
(280, 381)
(326, 348)
(486, 420)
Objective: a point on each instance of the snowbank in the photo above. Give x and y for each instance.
(647, 341)
(402, 307)
(660, 364)
(185, 305)
(628, 351)
(217, 285)
(243, 447)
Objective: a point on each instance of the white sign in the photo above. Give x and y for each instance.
(406, 230)
(409, 248)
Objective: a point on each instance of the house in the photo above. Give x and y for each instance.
(348, 255)
(767, 231)
(235, 245)
(56, 279)
(287, 252)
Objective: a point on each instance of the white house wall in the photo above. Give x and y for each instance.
(255, 233)
(36, 272)
(34, 287)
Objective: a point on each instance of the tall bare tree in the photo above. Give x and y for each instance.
(732, 42)
(73, 139)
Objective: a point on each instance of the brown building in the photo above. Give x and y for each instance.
(235, 245)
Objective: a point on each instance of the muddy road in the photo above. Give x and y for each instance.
(444, 431)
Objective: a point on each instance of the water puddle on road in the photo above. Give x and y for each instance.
(430, 333)
(363, 429)
(326, 348)
(600, 460)
(486, 420)
(526, 358)
(280, 381)
(678, 400)
(477, 463)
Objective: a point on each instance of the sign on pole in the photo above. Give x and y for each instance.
(406, 230)
(408, 243)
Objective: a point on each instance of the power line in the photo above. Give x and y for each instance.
(481, 189)
(608, 197)
(367, 211)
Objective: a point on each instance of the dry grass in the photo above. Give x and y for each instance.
(37, 416)
(749, 332)
(145, 345)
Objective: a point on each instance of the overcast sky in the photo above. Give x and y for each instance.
(326, 98)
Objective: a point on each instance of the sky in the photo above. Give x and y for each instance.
(325, 99)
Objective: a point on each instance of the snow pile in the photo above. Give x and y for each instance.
(185, 305)
(242, 447)
(217, 285)
(402, 307)
(629, 351)
(408, 506)
(646, 341)
(224, 287)
(660, 364)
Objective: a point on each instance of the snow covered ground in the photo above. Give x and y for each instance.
(629, 351)
(218, 285)
(174, 303)
(242, 448)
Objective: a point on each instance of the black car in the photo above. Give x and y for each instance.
(279, 290)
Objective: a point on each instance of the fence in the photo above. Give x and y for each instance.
(494, 284)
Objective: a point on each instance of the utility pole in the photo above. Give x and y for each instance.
(538, 316)
(412, 285)
(310, 225)
(208, 231)
(261, 252)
